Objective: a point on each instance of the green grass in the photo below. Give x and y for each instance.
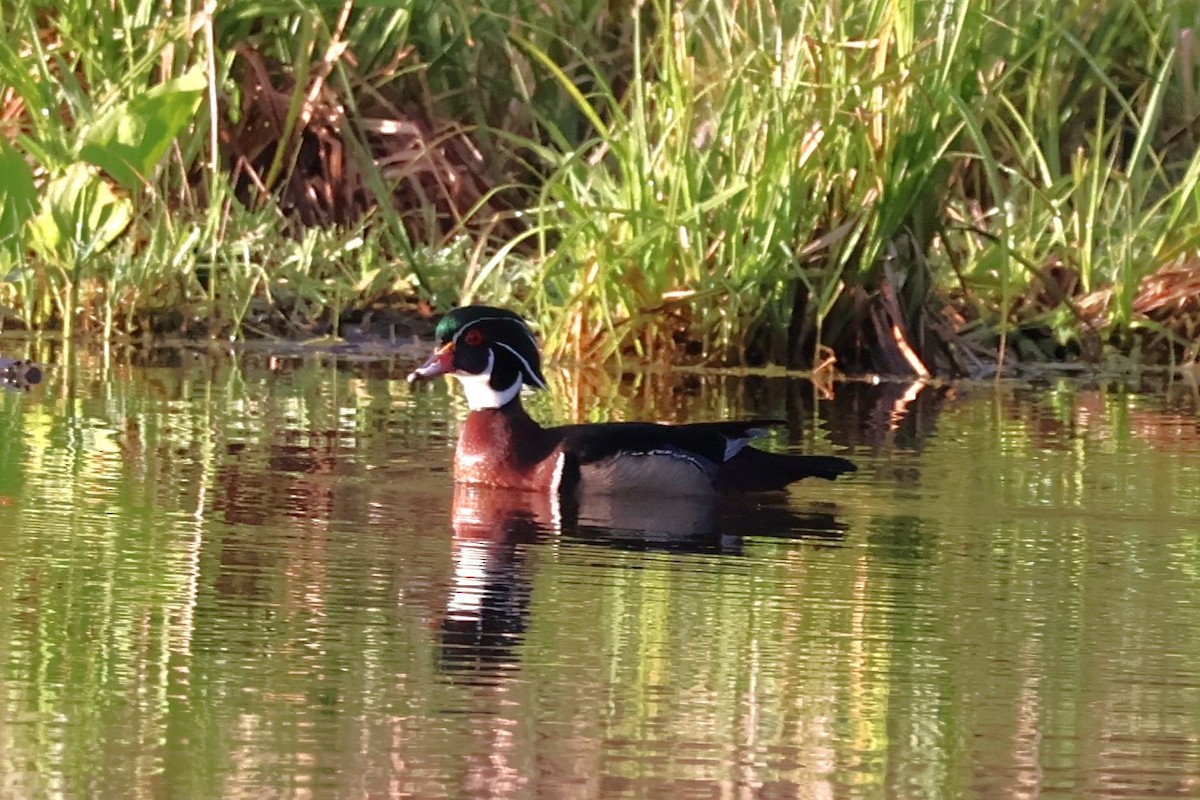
(706, 180)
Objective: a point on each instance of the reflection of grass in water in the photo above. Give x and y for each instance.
(138, 619)
(130, 591)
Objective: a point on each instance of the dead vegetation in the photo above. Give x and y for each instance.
(310, 160)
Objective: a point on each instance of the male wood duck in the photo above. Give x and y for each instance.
(492, 353)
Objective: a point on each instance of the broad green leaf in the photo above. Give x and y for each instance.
(128, 139)
(80, 216)
(18, 196)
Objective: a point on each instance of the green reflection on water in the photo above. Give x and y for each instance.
(235, 576)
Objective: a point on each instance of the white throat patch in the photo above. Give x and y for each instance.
(479, 391)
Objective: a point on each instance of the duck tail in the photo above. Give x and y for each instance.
(754, 470)
(827, 467)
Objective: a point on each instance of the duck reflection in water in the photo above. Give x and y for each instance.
(489, 590)
(498, 532)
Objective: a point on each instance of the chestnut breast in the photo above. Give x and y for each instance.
(503, 447)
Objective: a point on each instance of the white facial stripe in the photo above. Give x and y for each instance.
(528, 369)
(479, 391)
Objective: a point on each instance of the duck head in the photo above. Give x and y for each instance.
(491, 352)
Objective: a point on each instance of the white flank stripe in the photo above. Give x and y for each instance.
(555, 499)
(735, 446)
(556, 478)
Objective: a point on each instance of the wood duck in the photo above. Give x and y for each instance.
(492, 353)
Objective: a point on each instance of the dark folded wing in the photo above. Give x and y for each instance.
(715, 441)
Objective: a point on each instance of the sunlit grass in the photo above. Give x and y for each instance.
(715, 181)
(725, 187)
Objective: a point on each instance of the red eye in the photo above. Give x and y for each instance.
(473, 338)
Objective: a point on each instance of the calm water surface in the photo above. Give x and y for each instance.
(252, 577)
